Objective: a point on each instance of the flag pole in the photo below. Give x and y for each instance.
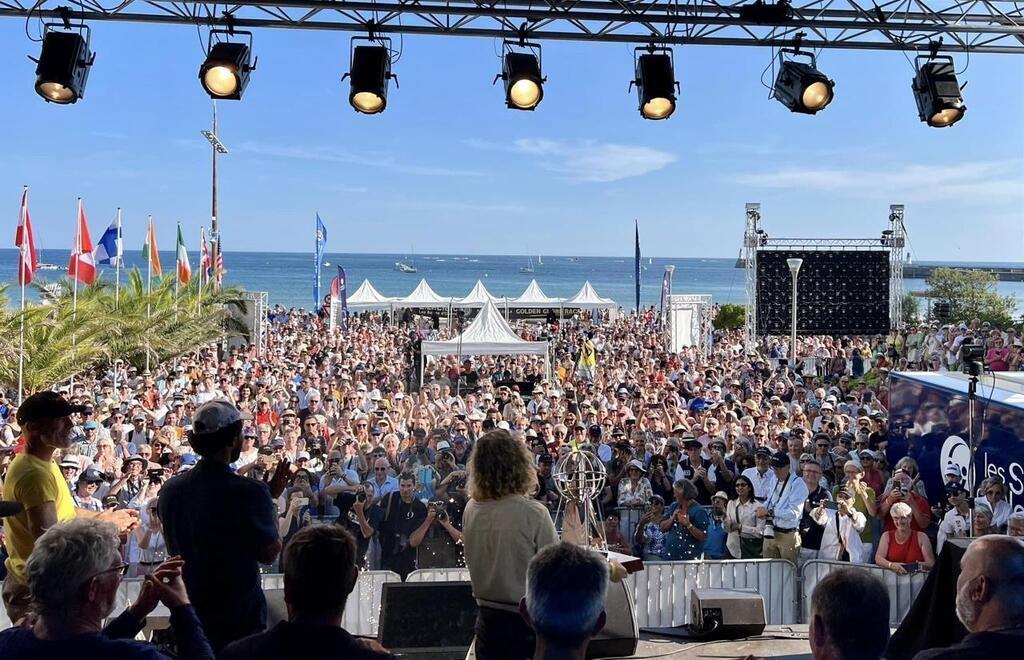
(22, 278)
(177, 275)
(117, 269)
(77, 256)
(149, 283)
(202, 269)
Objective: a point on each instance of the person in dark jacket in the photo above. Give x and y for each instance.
(74, 573)
(319, 573)
(989, 601)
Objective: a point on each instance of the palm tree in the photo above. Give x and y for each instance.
(61, 343)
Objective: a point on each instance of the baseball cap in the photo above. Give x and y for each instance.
(762, 451)
(443, 446)
(92, 475)
(720, 495)
(953, 469)
(546, 459)
(277, 442)
(780, 459)
(45, 405)
(302, 455)
(214, 416)
(692, 443)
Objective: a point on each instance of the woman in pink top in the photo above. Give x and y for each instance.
(997, 358)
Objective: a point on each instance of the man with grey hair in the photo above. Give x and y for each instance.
(566, 587)
(989, 601)
(74, 572)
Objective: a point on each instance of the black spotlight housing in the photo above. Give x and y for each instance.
(656, 86)
(368, 75)
(63, 65)
(521, 73)
(800, 86)
(940, 102)
(225, 73)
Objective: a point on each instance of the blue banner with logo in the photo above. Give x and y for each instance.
(321, 241)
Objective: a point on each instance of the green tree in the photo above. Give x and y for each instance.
(971, 295)
(911, 309)
(730, 317)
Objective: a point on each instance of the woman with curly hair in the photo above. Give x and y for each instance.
(503, 528)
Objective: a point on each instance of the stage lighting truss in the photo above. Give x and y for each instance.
(369, 73)
(656, 86)
(522, 74)
(799, 85)
(939, 96)
(225, 73)
(64, 62)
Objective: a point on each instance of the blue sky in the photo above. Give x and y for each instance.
(448, 169)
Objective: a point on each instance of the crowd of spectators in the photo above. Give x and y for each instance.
(728, 454)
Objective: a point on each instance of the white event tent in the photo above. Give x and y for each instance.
(478, 297)
(586, 297)
(488, 334)
(533, 297)
(368, 296)
(422, 296)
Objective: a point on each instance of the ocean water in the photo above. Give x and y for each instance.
(288, 276)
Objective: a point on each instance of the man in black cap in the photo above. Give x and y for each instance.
(36, 482)
(223, 526)
(699, 470)
(782, 511)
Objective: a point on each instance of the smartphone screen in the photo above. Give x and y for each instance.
(912, 568)
(829, 504)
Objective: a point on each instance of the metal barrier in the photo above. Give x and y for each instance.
(662, 590)
(629, 518)
(439, 575)
(903, 589)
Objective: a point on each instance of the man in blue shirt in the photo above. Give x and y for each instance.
(714, 546)
(685, 524)
(783, 510)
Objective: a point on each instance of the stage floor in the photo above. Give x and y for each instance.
(777, 642)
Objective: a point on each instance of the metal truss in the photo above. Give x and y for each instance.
(897, 243)
(771, 243)
(962, 26)
(752, 239)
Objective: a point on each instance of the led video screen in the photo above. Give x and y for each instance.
(838, 292)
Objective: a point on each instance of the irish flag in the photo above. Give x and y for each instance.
(184, 268)
(81, 266)
(150, 253)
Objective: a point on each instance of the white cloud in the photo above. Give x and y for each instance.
(335, 155)
(586, 161)
(972, 182)
(468, 207)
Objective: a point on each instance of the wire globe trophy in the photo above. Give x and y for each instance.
(579, 477)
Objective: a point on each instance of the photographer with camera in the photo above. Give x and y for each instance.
(440, 545)
(782, 511)
(403, 526)
(956, 523)
(363, 520)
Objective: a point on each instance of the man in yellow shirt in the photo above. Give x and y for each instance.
(34, 481)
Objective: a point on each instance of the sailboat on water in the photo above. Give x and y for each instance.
(527, 268)
(540, 260)
(408, 266)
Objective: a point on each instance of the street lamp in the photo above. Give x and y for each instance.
(794, 268)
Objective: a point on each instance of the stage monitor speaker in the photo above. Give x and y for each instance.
(726, 613)
(427, 617)
(620, 636)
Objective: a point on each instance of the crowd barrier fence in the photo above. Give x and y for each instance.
(661, 591)
(903, 589)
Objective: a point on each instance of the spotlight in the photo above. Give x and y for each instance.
(524, 83)
(937, 92)
(63, 65)
(225, 73)
(655, 82)
(799, 85)
(369, 73)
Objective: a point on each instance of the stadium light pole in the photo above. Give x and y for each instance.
(218, 148)
(794, 268)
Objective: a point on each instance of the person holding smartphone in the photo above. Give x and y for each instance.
(904, 550)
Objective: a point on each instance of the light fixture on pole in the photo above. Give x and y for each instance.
(655, 81)
(521, 73)
(939, 97)
(794, 268)
(64, 62)
(799, 85)
(225, 72)
(369, 73)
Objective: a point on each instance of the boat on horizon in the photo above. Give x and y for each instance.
(528, 268)
(45, 266)
(403, 266)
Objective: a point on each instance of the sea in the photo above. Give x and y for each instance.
(288, 276)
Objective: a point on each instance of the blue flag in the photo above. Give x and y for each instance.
(321, 241)
(109, 248)
(343, 296)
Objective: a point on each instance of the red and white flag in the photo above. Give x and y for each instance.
(25, 241)
(204, 256)
(82, 267)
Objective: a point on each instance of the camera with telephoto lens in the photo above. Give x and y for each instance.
(440, 508)
(769, 525)
(156, 476)
(361, 496)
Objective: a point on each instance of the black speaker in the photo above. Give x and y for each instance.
(726, 613)
(427, 617)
